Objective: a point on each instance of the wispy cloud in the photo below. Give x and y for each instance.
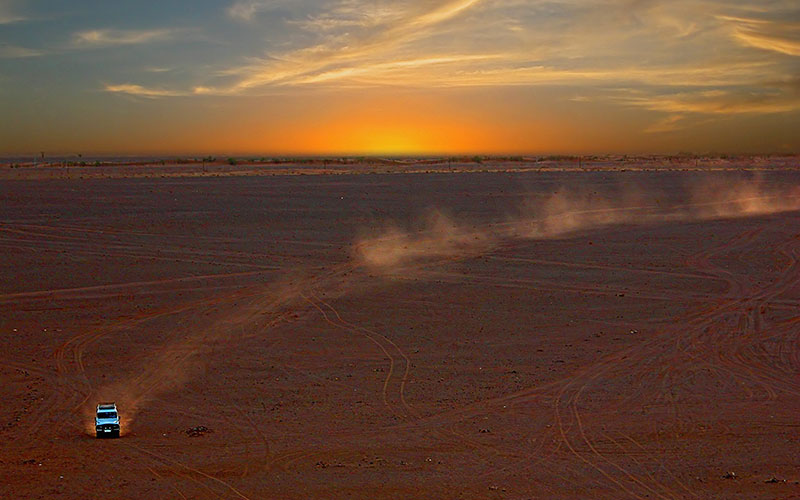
(8, 12)
(777, 36)
(10, 18)
(244, 11)
(154, 92)
(499, 70)
(15, 52)
(111, 37)
(770, 42)
(668, 124)
(719, 102)
(387, 31)
(247, 10)
(140, 91)
(395, 67)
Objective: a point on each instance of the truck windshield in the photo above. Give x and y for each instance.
(107, 414)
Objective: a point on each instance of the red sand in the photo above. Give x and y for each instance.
(625, 361)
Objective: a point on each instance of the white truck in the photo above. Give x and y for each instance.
(106, 420)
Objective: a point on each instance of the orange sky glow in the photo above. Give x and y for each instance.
(379, 77)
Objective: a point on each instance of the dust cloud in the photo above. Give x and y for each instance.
(568, 212)
(439, 236)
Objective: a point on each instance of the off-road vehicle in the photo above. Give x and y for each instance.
(106, 421)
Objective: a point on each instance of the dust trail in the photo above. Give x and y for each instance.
(247, 313)
(716, 199)
(567, 212)
(392, 250)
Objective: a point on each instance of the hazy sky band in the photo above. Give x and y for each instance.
(355, 76)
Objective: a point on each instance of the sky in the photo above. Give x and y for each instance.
(370, 77)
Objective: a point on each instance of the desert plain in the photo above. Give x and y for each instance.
(460, 331)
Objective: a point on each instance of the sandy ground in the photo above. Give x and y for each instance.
(644, 355)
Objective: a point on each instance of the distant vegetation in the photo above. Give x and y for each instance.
(376, 164)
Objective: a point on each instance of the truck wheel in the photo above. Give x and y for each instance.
(99, 434)
(115, 434)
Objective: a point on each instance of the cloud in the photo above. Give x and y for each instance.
(8, 14)
(777, 36)
(244, 11)
(247, 10)
(154, 92)
(139, 91)
(720, 102)
(669, 124)
(388, 30)
(9, 18)
(15, 52)
(443, 13)
(110, 37)
(768, 42)
(790, 85)
(508, 74)
(388, 68)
